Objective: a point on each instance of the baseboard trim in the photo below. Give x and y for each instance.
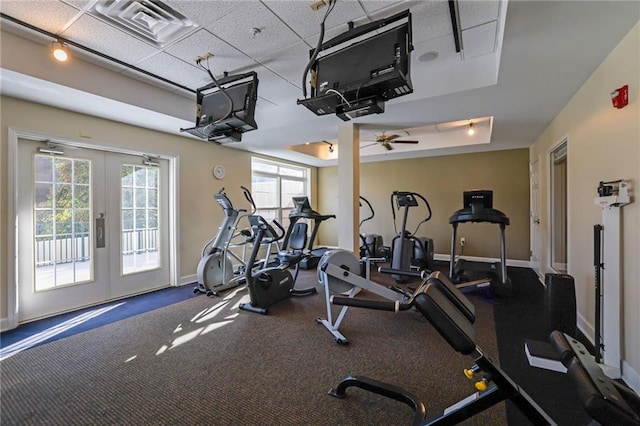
(5, 324)
(631, 377)
(510, 262)
(188, 279)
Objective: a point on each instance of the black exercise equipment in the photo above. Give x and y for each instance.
(605, 400)
(408, 250)
(270, 285)
(302, 210)
(478, 208)
(371, 245)
(451, 314)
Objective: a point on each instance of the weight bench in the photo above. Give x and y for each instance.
(452, 315)
(605, 400)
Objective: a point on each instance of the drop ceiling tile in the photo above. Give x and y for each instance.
(236, 29)
(288, 63)
(225, 57)
(306, 22)
(480, 40)
(445, 46)
(275, 89)
(474, 13)
(371, 6)
(104, 38)
(172, 69)
(52, 16)
(430, 20)
(203, 12)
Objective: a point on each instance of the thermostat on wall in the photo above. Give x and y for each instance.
(218, 172)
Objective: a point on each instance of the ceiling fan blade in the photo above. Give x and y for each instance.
(368, 145)
(387, 146)
(414, 142)
(391, 137)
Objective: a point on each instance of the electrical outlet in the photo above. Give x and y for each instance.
(462, 241)
(204, 57)
(318, 4)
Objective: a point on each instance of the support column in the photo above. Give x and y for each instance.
(348, 187)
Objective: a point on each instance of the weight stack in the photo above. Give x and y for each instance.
(560, 304)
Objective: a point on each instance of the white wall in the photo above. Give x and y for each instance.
(603, 145)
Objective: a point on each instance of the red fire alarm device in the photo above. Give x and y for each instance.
(620, 97)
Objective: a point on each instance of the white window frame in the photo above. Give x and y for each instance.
(305, 179)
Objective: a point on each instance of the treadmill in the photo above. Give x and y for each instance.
(302, 210)
(478, 207)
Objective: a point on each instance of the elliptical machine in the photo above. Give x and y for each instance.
(371, 245)
(408, 251)
(215, 270)
(269, 285)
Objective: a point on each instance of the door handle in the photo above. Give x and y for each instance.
(100, 234)
(537, 221)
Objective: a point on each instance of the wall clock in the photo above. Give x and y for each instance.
(218, 172)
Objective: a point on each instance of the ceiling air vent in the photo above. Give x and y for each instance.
(152, 21)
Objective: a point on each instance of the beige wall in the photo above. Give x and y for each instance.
(603, 145)
(442, 180)
(199, 214)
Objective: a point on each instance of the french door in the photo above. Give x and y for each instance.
(92, 227)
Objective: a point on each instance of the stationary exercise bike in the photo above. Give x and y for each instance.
(339, 273)
(215, 270)
(409, 252)
(271, 284)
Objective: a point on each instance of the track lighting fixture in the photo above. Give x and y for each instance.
(330, 145)
(471, 130)
(59, 51)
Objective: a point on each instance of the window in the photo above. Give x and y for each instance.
(274, 184)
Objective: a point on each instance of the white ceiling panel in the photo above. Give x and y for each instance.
(480, 40)
(225, 57)
(47, 15)
(203, 12)
(306, 22)
(275, 89)
(104, 38)
(289, 63)
(430, 19)
(173, 69)
(474, 13)
(237, 27)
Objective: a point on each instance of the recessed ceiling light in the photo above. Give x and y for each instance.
(428, 57)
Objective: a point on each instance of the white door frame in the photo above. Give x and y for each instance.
(549, 213)
(12, 242)
(534, 217)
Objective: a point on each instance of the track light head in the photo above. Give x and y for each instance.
(59, 51)
(471, 130)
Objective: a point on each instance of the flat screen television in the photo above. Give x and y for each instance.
(225, 118)
(357, 71)
(477, 200)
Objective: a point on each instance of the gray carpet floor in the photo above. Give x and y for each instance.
(203, 361)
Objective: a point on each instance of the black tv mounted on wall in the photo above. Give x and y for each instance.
(223, 119)
(355, 73)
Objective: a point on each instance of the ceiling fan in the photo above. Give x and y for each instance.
(386, 140)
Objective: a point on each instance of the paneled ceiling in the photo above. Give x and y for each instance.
(520, 63)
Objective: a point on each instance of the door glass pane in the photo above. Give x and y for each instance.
(62, 251)
(139, 219)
